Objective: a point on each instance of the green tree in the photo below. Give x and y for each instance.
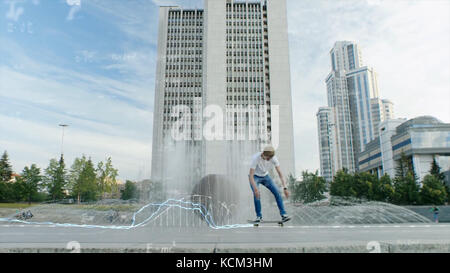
(89, 182)
(27, 186)
(6, 192)
(83, 180)
(56, 178)
(130, 191)
(5, 168)
(405, 167)
(310, 189)
(365, 185)
(106, 175)
(433, 191)
(406, 190)
(74, 174)
(18, 191)
(386, 193)
(342, 184)
(436, 172)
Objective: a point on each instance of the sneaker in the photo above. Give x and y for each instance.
(258, 220)
(285, 218)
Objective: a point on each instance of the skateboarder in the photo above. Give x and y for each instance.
(259, 174)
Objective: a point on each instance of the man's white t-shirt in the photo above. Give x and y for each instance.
(262, 166)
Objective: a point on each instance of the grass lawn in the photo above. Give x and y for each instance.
(119, 207)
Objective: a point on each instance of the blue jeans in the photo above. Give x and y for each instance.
(268, 183)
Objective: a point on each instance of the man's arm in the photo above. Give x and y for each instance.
(283, 182)
(252, 182)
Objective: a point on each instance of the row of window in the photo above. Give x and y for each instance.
(184, 24)
(244, 38)
(249, 61)
(245, 79)
(245, 69)
(187, 16)
(251, 43)
(176, 16)
(252, 47)
(245, 90)
(184, 59)
(246, 86)
(244, 16)
(254, 97)
(256, 23)
(183, 84)
(245, 53)
(180, 38)
(254, 31)
(188, 52)
(177, 12)
(184, 30)
(191, 68)
(184, 45)
(189, 94)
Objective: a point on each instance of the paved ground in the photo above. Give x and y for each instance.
(355, 238)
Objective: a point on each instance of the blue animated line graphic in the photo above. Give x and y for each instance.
(170, 203)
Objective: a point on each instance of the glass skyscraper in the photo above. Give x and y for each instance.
(353, 99)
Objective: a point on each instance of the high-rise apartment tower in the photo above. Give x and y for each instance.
(230, 57)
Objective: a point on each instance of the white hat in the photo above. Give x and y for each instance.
(269, 148)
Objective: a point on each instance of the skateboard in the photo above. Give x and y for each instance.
(279, 222)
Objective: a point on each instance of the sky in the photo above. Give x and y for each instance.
(91, 64)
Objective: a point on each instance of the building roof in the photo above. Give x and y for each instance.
(422, 121)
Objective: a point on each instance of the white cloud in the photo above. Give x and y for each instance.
(38, 142)
(406, 42)
(73, 10)
(14, 12)
(107, 117)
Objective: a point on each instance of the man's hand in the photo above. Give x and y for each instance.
(286, 193)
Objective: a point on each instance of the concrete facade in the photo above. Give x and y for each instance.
(362, 87)
(228, 62)
(326, 133)
(421, 139)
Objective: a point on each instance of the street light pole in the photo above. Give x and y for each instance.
(62, 140)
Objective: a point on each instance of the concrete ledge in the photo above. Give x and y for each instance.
(350, 248)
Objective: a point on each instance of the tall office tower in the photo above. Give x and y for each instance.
(231, 58)
(326, 133)
(344, 56)
(362, 87)
(352, 91)
(382, 110)
(388, 109)
(377, 111)
(179, 89)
